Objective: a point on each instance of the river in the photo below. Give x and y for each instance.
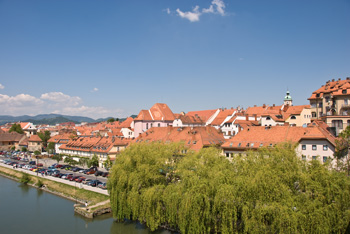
(24, 209)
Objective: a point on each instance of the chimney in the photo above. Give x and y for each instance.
(254, 105)
(264, 105)
(348, 78)
(255, 117)
(246, 117)
(273, 105)
(339, 79)
(332, 80)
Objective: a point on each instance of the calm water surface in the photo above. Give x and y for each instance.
(24, 209)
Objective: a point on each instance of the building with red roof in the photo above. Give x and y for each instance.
(331, 103)
(159, 115)
(194, 138)
(314, 142)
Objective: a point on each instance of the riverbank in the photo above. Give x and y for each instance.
(98, 203)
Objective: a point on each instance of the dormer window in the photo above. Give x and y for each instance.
(344, 91)
(292, 117)
(317, 95)
(268, 118)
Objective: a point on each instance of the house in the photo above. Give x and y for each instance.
(206, 116)
(35, 143)
(183, 120)
(28, 128)
(331, 103)
(194, 138)
(87, 147)
(159, 115)
(10, 140)
(60, 140)
(314, 142)
(237, 123)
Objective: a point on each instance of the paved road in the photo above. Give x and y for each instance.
(72, 183)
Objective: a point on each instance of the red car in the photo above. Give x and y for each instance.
(58, 166)
(80, 179)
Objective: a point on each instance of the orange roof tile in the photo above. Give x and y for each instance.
(194, 138)
(204, 114)
(223, 114)
(34, 138)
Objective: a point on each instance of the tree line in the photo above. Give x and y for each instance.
(268, 191)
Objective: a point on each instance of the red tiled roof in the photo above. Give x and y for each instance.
(223, 114)
(194, 138)
(204, 114)
(334, 87)
(265, 136)
(34, 138)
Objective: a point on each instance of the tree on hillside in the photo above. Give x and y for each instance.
(111, 120)
(16, 128)
(342, 149)
(44, 137)
(93, 162)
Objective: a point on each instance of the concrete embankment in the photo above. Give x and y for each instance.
(97, 199)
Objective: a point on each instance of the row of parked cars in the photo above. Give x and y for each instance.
(89, 171)
(53, 171)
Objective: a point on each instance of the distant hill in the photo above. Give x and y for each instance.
(51, 119)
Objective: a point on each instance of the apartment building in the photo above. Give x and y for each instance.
(331, 103)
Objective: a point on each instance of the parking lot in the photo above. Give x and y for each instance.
(49, 169)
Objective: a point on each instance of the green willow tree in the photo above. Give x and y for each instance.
(108, 163)
(57, 157)
(342, 150)
(44, 136)
(268, 191)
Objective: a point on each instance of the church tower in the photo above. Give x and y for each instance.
(288, 99)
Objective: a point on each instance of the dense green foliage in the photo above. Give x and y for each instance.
(25, 179)
(93, 162)
(70, 161)
(37, 152)
(44, 136)
(269, 191)
(16, 128)
(108, 163)
(342, 150)
(57, 157)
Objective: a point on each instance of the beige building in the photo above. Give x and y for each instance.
(331, 103)
(35, 143)
(314, 142)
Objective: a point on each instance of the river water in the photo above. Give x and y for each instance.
(24, 209)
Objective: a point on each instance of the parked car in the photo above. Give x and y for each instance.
(58, 166)
(32, 162)
(40, 165)
(80, 179)
(86, 181)
(105, 174)
(76, 169)
(102, 185)
(73, 178)
(94, 183)
(91, 171)
(98, 173)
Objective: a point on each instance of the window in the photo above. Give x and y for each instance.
(303, 157)
(147, 126)
(313, 114)
(325, 147)
(293, 117)
(314, 157)
(325, 159)
(239, 144)
(268, 118)
(314, 147)
(327, 98)
(261, 145)
(344, 91)
(228, 155)
(337, 124)
(320, 105)
(158, 125)
(346, 102)
(303, 147)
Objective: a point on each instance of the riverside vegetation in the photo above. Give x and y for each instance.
(267, 191)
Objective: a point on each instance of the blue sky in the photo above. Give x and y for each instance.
(113, 58)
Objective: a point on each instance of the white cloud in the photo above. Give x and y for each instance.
(53, 102)
(59, 97)
(94, 90)
(216, 7)
(192, 16)
(220, 6)
(1, 86)
(168, 11)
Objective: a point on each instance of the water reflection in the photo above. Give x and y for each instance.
(37, 210)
